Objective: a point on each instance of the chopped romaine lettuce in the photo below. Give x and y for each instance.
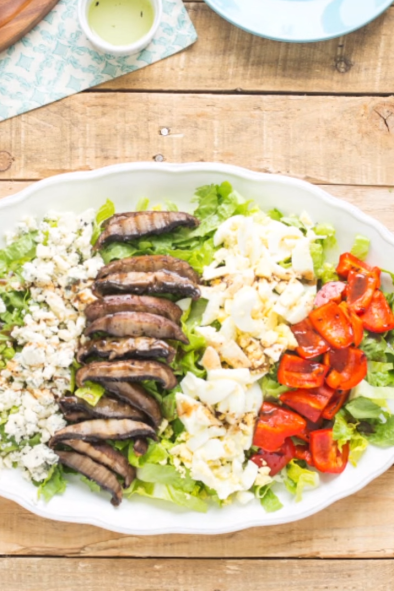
(271, 388)
(327, 234)
(299, 478)
(268, 498)
(360, 247)
(94, 487)
(363, 409)
(167, 493)
(383, 433)
(155, 455)
(90, 392)
(54, 484)
(106, 211)
(275, 214)
(19, 252)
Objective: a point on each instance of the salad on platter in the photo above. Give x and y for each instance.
(202, 359)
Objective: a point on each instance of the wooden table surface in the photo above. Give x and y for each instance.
(322, 112)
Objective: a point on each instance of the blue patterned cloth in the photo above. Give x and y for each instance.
(56, 60)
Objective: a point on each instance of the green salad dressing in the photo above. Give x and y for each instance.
(121, 22)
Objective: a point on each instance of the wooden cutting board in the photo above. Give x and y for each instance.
(18, 17)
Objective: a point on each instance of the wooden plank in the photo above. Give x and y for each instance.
(331, 140)
(226, 58)
(360, 526)
(30, 574)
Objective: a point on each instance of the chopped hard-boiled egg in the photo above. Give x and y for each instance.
(219, 416)
(262, 279)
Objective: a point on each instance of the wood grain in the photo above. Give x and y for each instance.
(18, 17)
(359, 526)
(31, 574)
(330, 140)
(225, 58)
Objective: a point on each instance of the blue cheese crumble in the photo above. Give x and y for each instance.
(59, 280)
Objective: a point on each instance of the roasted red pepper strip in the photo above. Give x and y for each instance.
(333, 325)
(326, 455)
(378, 317)
(274, 425)
(302, 453)
(356, 322)
(348, 262)
(309, 403)
(310, 426)
(295, 372)
(332, 290)
(276, 460)
(348, 368)
(360, 290)
(335, 404)
(310, 343)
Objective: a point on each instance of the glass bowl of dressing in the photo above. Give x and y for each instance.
(120, 27)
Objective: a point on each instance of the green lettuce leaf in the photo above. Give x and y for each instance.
(327, 233)
(155, 473)
(23, 250)
(360, 247)
(275, 214)
(383, 435)
(380, 373)
(268, 499)
(94, 487)
(167, 493)
(298, 479)
(155, 455)
(271, 388)
(106, 211)
(54, 484)
(90, 392)
(362, 408)
(346, 432)
(376, 348)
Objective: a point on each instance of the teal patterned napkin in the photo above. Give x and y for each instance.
(56, 60)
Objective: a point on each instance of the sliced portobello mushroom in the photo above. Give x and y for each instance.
(157, 283)
(106, 408)
(124, 348)
(76, 417)
(107, 456)
(101, 429)
(132, 370)
(96, 472)
(137, 396)
(150, 264)
(137, 324)
(130, 226)
(133, 303)
(140, 447)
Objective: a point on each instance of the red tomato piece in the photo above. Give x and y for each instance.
(332, 323)
(276, 460)
(310, 343)
(335, 404)
(348, 262)
(379, 316)
(302, 452)
(333, 290)
(356, 322)
(295, 372)
(274, 425)
(348, 368)
(360, 290)
(326, 455)
(309, 403)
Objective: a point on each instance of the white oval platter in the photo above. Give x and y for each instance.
(125, 184)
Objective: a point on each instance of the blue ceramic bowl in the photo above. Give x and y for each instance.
(299, 21)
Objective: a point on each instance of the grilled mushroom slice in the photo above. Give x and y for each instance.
(139, 348)
(137, 396)
(160, 282)
(106, 408)
(91, 469)
(106, 455)
(76, 417)
(137, 324)
(100, 429)
(136, 224)
(133, 370)
(140, 447)
(133, 303)
(150, 264)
